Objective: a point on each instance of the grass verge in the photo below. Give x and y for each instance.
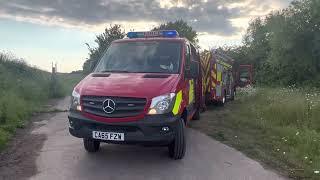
(23, 90)
(280, 127)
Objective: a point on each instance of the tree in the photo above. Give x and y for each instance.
(103, 40)
(183, 29)
(284, 46)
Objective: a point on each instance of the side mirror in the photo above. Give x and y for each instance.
(193, 72)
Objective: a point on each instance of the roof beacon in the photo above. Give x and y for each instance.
(148, 34)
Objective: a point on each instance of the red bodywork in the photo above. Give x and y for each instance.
(135, 85)
(247, 69)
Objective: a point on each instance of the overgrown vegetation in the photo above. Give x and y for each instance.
(284, 46)
(23, 89)
(67, 81)
(279, 126)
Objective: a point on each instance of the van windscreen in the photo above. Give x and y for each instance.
(141, 57)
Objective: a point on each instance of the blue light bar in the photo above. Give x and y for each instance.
(173, 33)
(135, 35)
(148, 34)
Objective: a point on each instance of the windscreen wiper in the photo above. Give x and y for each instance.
(114, 71)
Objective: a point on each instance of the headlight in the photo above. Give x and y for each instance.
(162, 104)
(75, 101)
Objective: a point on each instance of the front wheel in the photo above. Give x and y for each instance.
(196, 115)
(91, 145)
(177, 148)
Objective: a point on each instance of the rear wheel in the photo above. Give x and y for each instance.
(222, 102)
(177, 148)
(91, 145)
(233, 95)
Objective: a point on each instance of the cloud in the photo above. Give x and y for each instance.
(211, 16)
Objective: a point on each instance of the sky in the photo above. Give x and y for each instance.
(46, 31)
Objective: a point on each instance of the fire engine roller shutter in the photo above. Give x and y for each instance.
(219, 73)
(205, 64)
(214, 75)
(219, 78)
(177, 103)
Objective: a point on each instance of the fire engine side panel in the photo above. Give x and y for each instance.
(205, 67)
(214, 75)
(215, 69)
(219, 81)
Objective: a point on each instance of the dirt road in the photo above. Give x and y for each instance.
(63, 157)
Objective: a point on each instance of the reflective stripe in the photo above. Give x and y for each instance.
(218, 90)
(177, 104)
(205, 64)
(191, 91)
(219, 76)
(213, 84)
(214, 75)
(207, 85)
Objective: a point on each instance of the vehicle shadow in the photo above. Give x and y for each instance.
(135, 162)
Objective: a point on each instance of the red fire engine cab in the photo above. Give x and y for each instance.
(144, 90)
(244, 75)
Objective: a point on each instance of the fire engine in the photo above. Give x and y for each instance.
(221, 77)
(218, 77)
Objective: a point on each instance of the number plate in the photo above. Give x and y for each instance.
(110, 136)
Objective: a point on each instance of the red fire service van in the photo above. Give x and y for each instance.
(144, 90)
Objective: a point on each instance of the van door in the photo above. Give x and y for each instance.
(195, 84)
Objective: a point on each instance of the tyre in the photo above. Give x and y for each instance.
(91, 145)
(196, 115)
(177, 148)
(233, 95)
(222, 102)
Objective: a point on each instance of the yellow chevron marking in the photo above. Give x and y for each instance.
(191, 91)
(177, 104)
(219, 76)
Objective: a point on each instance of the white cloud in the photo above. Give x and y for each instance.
(219, 22)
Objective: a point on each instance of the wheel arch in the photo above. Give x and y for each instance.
(184, 115)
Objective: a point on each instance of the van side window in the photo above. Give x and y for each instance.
(188, 56)
(194, 54)
(194, 58)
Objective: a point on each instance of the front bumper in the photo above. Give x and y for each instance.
(147, 131)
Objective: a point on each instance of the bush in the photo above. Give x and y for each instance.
(23, 89)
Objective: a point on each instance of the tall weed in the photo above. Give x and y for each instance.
(290, 120)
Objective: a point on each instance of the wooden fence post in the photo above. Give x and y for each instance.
(54, 82)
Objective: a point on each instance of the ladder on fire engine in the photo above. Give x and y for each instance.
(223, 58)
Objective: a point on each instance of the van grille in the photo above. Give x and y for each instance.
(124, 107)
